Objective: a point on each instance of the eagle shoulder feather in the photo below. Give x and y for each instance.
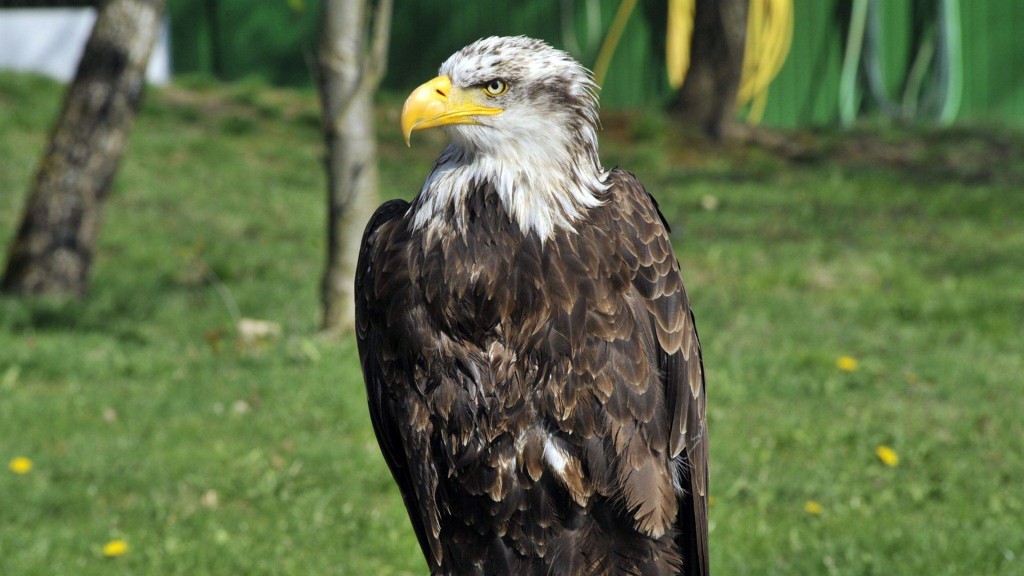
(658, 282)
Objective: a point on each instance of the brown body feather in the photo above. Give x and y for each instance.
(540, 404)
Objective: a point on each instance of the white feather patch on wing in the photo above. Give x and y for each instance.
(555, 457)
(568, 469)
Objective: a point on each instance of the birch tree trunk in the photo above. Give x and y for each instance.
(53, 249)
(707, 98)
(350, 64)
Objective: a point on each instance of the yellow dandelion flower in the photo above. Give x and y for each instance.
(812, 507)
(711, 500)
(115, 548)
(20, 465)
(887, 455)
(847, 364)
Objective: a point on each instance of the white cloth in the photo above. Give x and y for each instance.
(50, 41)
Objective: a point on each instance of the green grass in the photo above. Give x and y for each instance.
(148, 419)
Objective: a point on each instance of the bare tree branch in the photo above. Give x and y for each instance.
(378, 56)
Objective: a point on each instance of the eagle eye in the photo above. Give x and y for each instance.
(495, 87)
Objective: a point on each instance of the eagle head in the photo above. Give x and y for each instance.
(500, 93)
(522, 117)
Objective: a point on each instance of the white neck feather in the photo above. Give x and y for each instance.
(544, 182)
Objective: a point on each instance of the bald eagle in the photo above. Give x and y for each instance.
(532, 367)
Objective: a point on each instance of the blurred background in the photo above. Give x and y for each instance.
(178, 390)
(230, 40)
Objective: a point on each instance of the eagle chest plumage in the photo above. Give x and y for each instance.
(532, 367)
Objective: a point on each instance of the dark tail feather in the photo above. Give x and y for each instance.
(692, 538)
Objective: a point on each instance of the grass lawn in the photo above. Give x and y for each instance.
(147, 419)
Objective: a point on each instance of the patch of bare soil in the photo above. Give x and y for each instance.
(971, 155)
(967, 155)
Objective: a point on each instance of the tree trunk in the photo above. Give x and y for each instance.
(53, 249)
(349, 68)
(707, 98)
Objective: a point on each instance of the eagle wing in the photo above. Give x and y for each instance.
(376, 372)
(659, 284)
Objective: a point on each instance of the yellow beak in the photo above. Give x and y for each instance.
(436, 103)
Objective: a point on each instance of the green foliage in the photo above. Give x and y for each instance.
(148, 418)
